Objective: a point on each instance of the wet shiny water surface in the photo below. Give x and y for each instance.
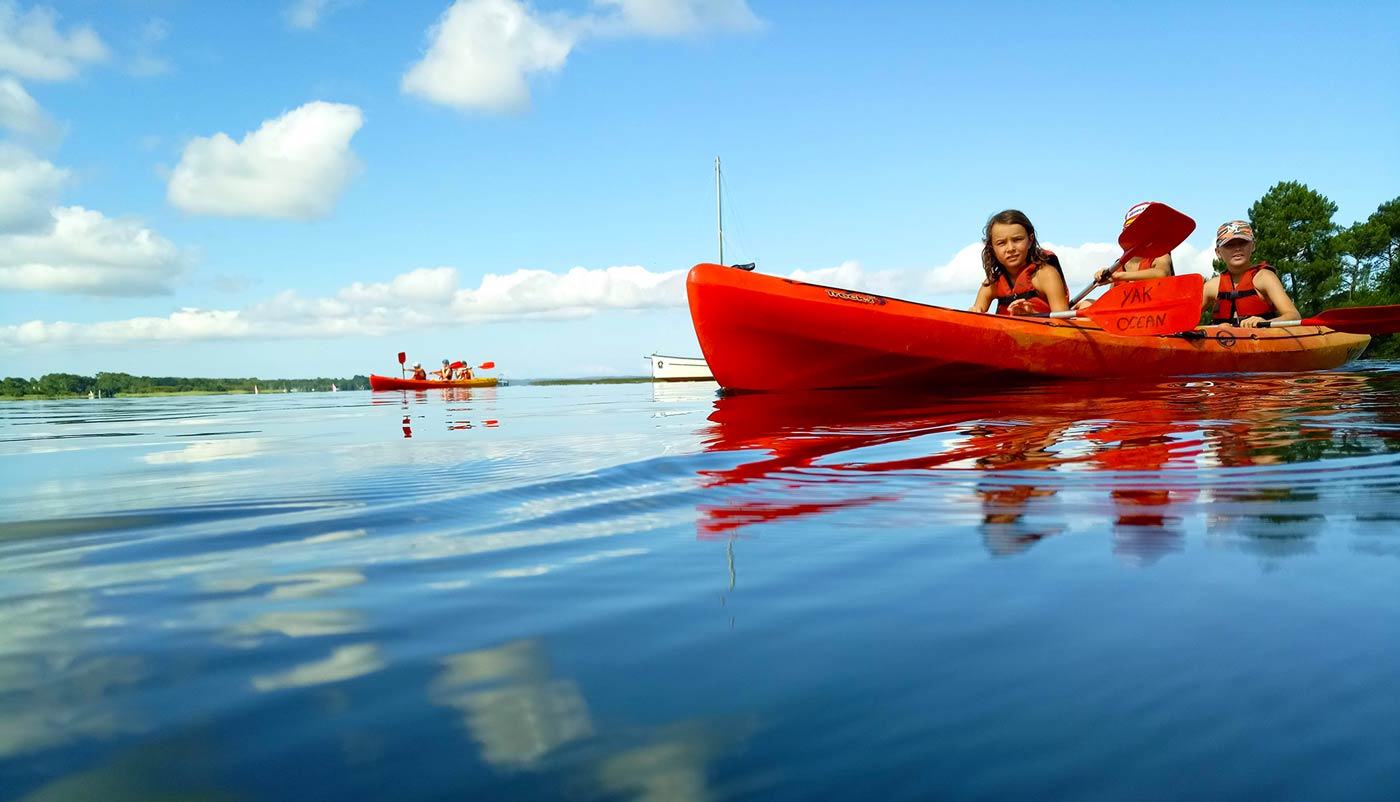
(1090, 591)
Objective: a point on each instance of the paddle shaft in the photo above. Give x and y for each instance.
(1117, 263)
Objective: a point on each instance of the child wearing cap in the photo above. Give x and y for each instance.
(1248, 295)
(1138, 268)
(1015, 266)
(418, 372)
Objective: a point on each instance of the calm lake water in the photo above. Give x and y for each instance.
(1088, 591)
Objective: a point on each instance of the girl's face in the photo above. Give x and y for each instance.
(1010, 244)
(1236, 253)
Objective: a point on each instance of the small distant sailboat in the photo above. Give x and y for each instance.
(333, 388)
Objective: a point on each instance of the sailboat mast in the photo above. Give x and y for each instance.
(719, 212)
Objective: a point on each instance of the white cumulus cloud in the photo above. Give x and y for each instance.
(539, 293)
(306, 15)
(29, 188)
(21, 114)
(850, 275)
(432, 297)
(481, 51)
(294, 167)
(418, 299)
(678, 17)
(32, 46)
(86, 253)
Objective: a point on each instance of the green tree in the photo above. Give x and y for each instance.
(1294, 230)
(15, 387)
(110, 384)
(1360, 252)
(1387, 219)
(58, 385)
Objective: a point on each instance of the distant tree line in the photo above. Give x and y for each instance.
(65, 385)
(1324, 265)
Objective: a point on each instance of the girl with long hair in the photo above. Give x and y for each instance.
(1015, 264)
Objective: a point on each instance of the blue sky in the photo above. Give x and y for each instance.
(306, 187)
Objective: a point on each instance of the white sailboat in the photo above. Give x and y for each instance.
(678, 368)
(691, 368)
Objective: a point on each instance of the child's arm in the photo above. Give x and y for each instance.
(1271, 289)
(1049, 283)
(1208, 297)
(983, 301)
(1161, 267)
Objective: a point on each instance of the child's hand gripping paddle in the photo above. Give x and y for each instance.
(1155, 232)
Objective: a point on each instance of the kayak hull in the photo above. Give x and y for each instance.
(392, 383)
(764, 333)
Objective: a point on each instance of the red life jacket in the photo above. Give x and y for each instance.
(1237, 302)
(1146, 262)
(1006, 292)
(419, 373)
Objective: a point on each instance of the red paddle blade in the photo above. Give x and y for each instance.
(1359, 319)
(1147, 308)
(1155, 232)
(456, 365)
(486, 365)
(402, 357)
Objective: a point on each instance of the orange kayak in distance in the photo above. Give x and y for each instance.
(393, 383)
(762, 333)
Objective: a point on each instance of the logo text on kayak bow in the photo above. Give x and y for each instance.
(855, 296)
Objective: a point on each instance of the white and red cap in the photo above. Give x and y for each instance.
(1135, 212)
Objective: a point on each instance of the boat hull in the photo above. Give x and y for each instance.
(761, 332)
(679, 368)
(392, 383)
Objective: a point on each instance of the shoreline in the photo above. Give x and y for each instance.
(290, 391)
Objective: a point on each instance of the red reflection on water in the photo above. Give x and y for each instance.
(808, 453)
(449, 395)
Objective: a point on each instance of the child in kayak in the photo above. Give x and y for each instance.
(1248, 295)
(418, 372)
(1015, 266)
(1138, 268)
(446, 373)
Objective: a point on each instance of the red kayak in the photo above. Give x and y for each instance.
(761, 332)
(392, 383)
